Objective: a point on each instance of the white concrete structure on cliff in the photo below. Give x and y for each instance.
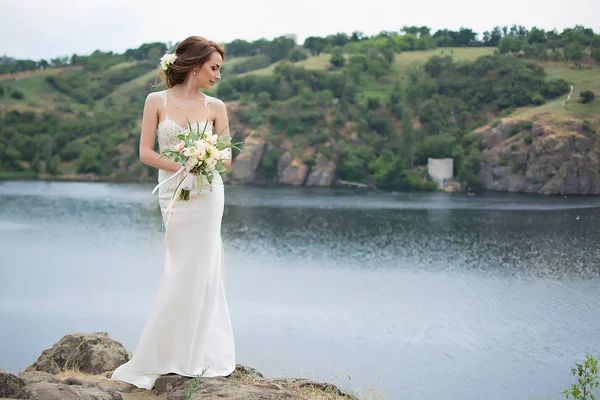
(441, 170)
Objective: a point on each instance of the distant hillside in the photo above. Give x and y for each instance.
(363, 111)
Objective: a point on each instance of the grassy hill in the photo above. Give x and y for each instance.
(91, 119)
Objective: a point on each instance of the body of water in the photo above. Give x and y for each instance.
(418, 295)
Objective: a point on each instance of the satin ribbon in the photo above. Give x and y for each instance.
(186, 184)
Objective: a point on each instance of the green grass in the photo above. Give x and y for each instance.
(402, 61)
(122, 65)
(39, 94)
(583, 79)
(263, 71)
(405, 60)
(320, 62)
(587, 78)
(231, 62)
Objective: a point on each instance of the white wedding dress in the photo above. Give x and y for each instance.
(188, 331)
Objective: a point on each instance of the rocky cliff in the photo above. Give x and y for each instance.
(548, 156)
(79, 367)
(293, 167)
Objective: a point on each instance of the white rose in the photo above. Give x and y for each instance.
(212, 139)
(190, 152)
(211, 162)
(200, 149)
(166, 60)
(211, 150)
(191, 163)
(225, 154)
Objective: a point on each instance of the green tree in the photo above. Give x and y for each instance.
(536, 36)
(154, 54)
(596, 56)
(397, 94)
(315, 44)
(53, 165)
(297, 54)
(337, 58)
(509, 44)
(407, 139)
(574, 52)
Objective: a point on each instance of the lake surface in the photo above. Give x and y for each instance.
(418, 295)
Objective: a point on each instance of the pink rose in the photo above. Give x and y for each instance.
(180, 146)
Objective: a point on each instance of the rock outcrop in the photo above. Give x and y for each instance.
(546, 156)
(323, 172)
(97, 355)
(243, 169)
(89, 353)
(291, 171)
(10, 385)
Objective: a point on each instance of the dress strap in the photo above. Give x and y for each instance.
(163, 96)
(208, 100)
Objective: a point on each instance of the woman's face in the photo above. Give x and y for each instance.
(209, 73)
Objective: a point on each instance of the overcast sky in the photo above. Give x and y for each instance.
(38, 29)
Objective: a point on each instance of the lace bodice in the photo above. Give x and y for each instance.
(167, 131)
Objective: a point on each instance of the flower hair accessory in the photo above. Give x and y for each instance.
(166, 61)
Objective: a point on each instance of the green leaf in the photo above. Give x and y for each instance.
(220, 167)
(204, 130)
(223, 130)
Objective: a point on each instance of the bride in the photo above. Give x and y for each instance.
(188, 331)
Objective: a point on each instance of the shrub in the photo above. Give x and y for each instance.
(337, 58)
(269, 163)
(373, 103)
(296, 55)
(587, 379)
(537, 99)
(72, 151)
(587, 96)
(17, 95)
(587, 126)
(528, 139)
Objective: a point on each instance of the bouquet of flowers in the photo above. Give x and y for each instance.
(201, 154)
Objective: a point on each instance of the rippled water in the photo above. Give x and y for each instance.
(418, 295)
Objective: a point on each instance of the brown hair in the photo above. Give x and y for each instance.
(192, 52)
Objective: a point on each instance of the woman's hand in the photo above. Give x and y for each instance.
(188, 180)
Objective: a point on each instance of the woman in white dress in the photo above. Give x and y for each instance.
(188, 331)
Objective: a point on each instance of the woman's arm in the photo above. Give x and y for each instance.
(149, 123)
(222, 125)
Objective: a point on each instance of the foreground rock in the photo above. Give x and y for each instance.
(90, 353)
(10, 385)
(63, 372)
(545, 156)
